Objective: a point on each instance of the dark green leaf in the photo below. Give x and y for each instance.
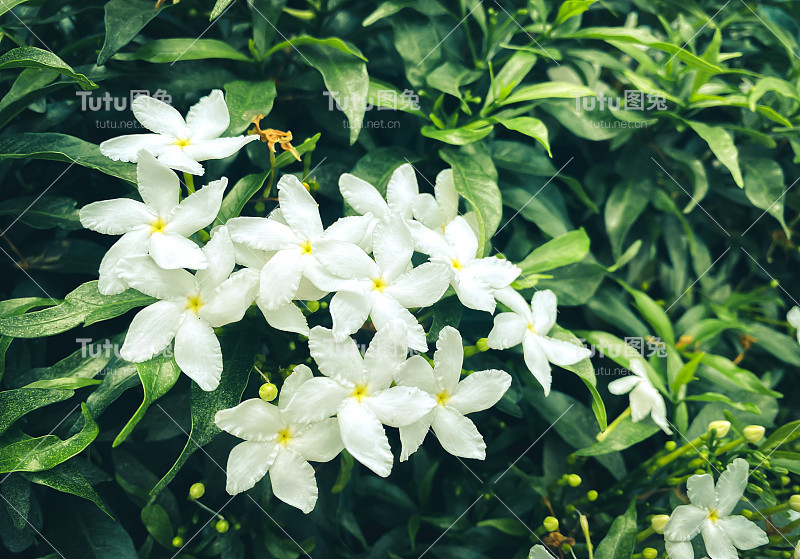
(32, 57)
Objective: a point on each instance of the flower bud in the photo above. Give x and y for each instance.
(223, 526)
(753, 488)
(649, 553)
(177, 541)
(794, 503)
(720, 428)
(659, 522)
(591, 495)
(197, 490)
(550, 524)
(482, 345)
(670, 446)
(785, 480)
(754, 433)
(312, 306)
(574, 480)
(748, 514)
(268, 392)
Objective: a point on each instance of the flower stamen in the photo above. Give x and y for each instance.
(305, 247)
(379, 284)
(194, 303)
(284, 436)
(158, 226)
(442, 398)
(360, 392)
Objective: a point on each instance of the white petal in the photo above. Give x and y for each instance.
(508, 331)
(458, 435)
(320, 442)
(659, 415)
(349, 312)
(411, 436)
(261, 233)
(159, 186)
(345, 260)
(421, 286)
(198, 210)
(385, 310)
(252, 420)
(400, 405)
(364, 438)
(307, 290)
(127, 148)
(700, 489)
(248, 463)
(446, 195)
(479, 391)
(336, 359)
(280, 278)
(731, 485)
(143, 274)
(197, 352)
(543, 309)
(685, 523)
(159, 117)
(427, 211)
(386, 352)
(115, 217)
(130, 244)
(511, 298)
(623, 385)
(208, 118)
(642, 401)
(362, 196)
(536, 360)
(171, 251)
(561, 352)
(221, 258)
(177, 158)
(299, 208)
(679, 550)
(793, 317)
(228, 302)
(416, 371)
(474, 293)
(448, 358)
(743, 533)
(392, 247)
(401, 190)
(428, 241)
(151, 330)
(219, 148)
(460, 236)
(718, 544)
(316, 399)
(287, 318)
(293, 480)
(496, 272)
(349, 229)
(300, 375)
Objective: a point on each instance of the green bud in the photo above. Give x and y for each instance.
(754, 489)
(670, 445)
(754, 433)
(323, 304)
(748, 514)
(659, 522)
(569, 509)
(223, 526)
(794, 503)
(550, 524)
(720, 428)
(795, 488)
(649, 553)
(197, 490)
(177, 541)
(774, 283)
(574, 480)
(292, 346)
(203, 236)
(591, 495)
(312, 306)
(482, 344)
(268, 392)
(566, 548)
(785, 480)
(779, 470)
(759, 456)
(260, 207)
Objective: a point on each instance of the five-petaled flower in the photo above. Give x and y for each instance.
(177, 143)
(644, 397)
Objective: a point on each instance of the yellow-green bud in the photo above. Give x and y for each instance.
(794, 503)
(748, 514)
(649, 553)
(786, 480)
(591, 495)
(550, 524)
(720, 428)
(754, 433)
(223, 526)
(197, 490)
(268, 392)
(177, 541)
(565, 547)
(312, 306)
(482, 344)
(574, 480)
(670, 445)
(659, 522)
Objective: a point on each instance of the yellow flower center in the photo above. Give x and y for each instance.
(531, 329)
(284, 436)
(183, 142)
(306, 247)
(713, 515)
(456, 264)
(194, 303)
(360, 392)
(442, 398)
(379, 284)
(158, 226)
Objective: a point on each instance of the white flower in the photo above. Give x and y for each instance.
(293, 236)
(529, 325)
(710, 514)
(159, 226)
(277, 442)
(540, 552)
(644, 397)
(475, 280)
(384, 288)
(358, 390)
(436, 211)
(366, 200)
(178, 143)
(479, 391)
(793, 316)
(191, 306)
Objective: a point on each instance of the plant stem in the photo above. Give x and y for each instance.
(602, 436)
(271, 179)
(189, 179)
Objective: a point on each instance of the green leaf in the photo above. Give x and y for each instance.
(246, 100)
(168, 51)
(237, 363)
(719, 369)
(529, 126)
(156, 520)
(217, 11)
(784, 434)
(565, 249)
(449, 77)
(654, 314)
(717, 397)
(61, 147)
(548, 90)
(623, 207)
(86, 305)
(686, 372)
(510, 526)
(391, 7)
(43, 453)
(17, 403)
(64, 383)
(510, 76)
(44, 212)
(66, 478)
(585, 371)
(621, 538)
(32, 57)
(8, 4)
(467, 134)
(345, 472)
(124, 19)
(89, 534)
(776, 343)
(764, 187)
(572, 8)
(13, 307)
(479, 189)
(158, 376)
(30, 85)
(721, 144)
(624, 435)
